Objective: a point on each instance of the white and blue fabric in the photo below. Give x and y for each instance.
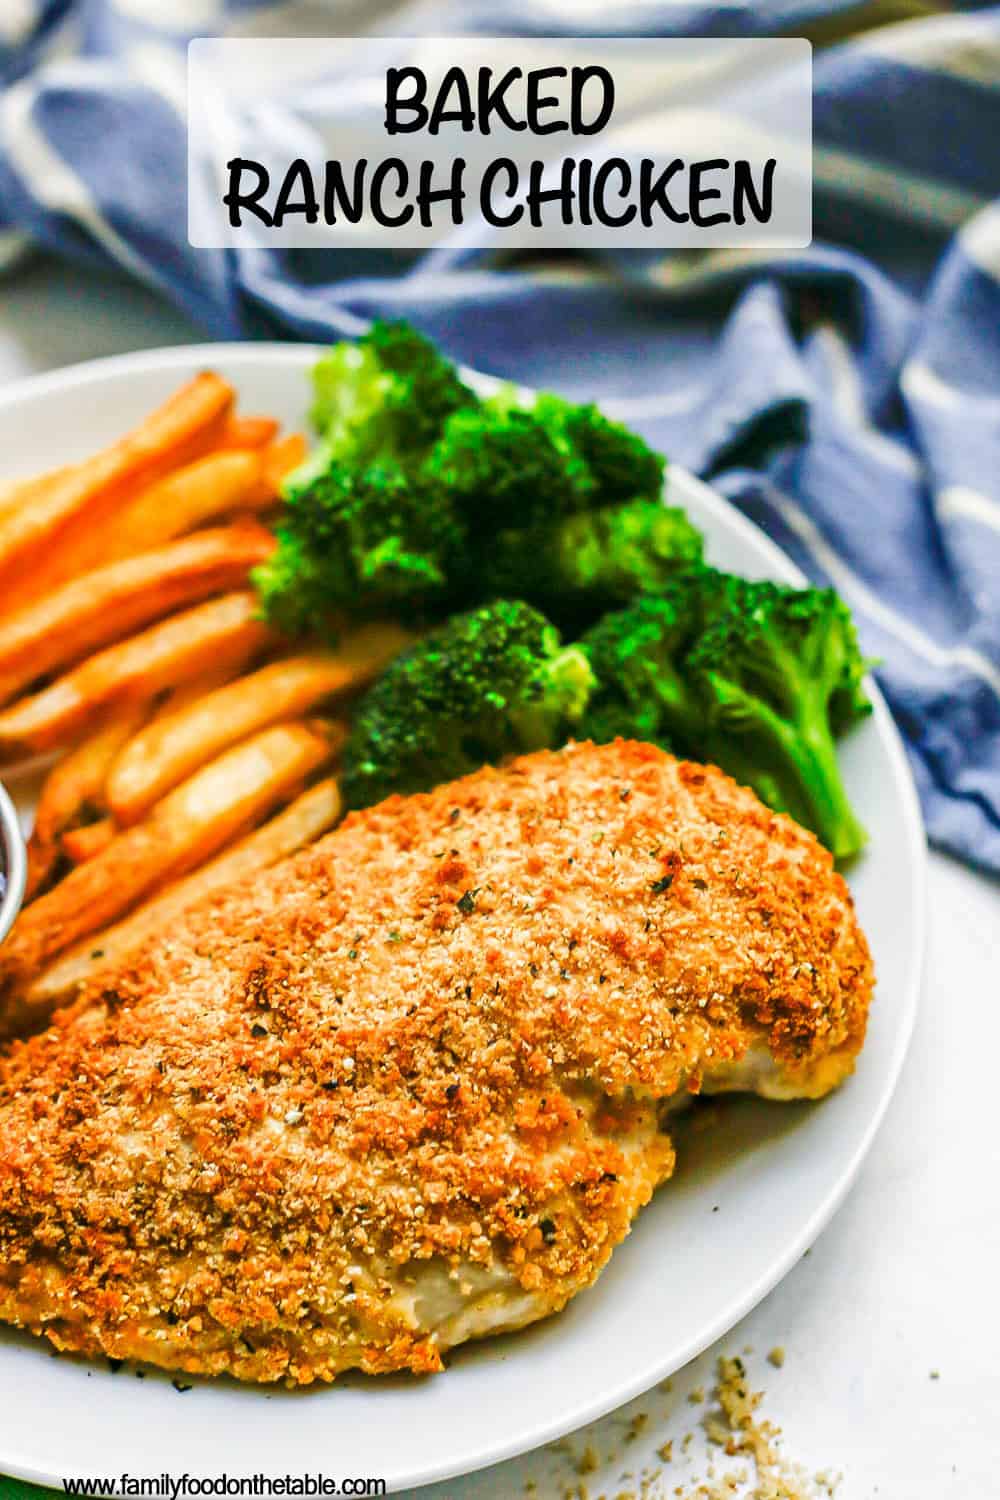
(846, 397)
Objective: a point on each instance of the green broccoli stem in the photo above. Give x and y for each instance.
(826, 809)
(830, 812)
(723, 751)
(805, 765)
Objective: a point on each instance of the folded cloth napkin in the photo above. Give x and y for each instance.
(847, 397)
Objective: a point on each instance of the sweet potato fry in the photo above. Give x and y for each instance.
(107, 604)
(226, 629)
(249, 432)
(74, 785)
(304, 820)
(184, 830)
(38, 542)
(81, 844)
(171, 747)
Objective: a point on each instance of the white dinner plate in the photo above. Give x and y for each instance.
(748, 1199)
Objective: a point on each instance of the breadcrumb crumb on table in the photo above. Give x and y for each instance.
(734, 1424)
(735, 1427)
(587, 1463)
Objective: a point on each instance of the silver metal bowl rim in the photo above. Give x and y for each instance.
(15, 864)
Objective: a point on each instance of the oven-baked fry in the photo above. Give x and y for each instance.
(13, 491)
(305, 819)
(190, 825)
(172, 746)
(225, 630)
(16, 492)
(214, 486)
(279, 460)
(81, 844)
(224, 483)
(189, 692)
(74, 785)
(249, 432)
(39, 542)
(107, 604)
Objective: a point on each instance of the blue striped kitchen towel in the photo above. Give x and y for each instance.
(846, 397)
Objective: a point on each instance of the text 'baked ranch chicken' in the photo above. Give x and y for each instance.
(409, 1087)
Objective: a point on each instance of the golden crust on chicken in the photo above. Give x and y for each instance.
(410, 1086)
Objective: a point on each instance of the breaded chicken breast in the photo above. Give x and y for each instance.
(410, 1087)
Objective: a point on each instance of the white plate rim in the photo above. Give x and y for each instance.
(298, 356)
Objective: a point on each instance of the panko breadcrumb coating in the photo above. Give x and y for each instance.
(409, 1087)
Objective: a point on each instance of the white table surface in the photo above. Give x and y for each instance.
(891, 1324)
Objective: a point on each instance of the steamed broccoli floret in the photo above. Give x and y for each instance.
(637, 655)
(849, 702)
(754, 676)
(486, 685)
(504, 468)
(363, 528)
(621, 464)
(400, 504)
(389, 393)
(514, 466)
(355, 540)
(577, 566)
